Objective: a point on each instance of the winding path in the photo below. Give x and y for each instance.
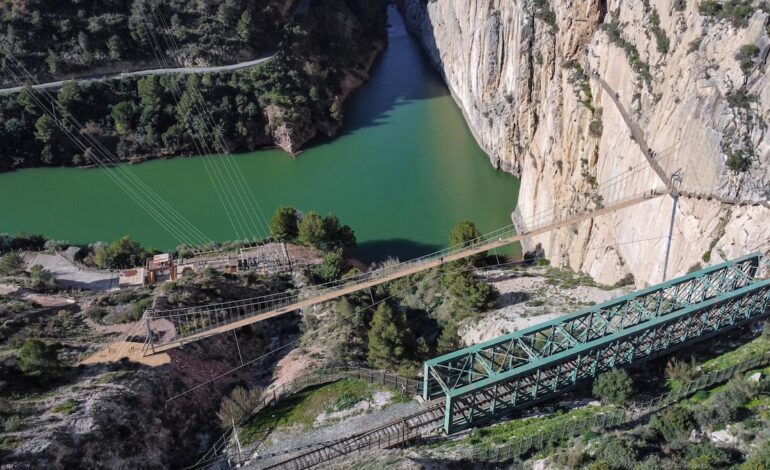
(302, 8)
(143, 73)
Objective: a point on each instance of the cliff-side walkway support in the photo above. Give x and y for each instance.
(516, 370)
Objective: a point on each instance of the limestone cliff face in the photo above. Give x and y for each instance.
(570, 94)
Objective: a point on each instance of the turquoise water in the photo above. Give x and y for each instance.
(404, 169)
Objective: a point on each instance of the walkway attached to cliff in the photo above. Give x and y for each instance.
(636, 130)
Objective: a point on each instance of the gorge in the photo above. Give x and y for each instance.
(518, 71)
(404, 152)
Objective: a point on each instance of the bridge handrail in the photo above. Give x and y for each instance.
(434, 366)
(280, 300)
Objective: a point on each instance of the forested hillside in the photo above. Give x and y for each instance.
(61, 38)
(285, 102)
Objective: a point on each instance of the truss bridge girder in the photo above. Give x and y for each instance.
(519, 369)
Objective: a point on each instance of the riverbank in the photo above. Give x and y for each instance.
(402, 171)
(284, 102)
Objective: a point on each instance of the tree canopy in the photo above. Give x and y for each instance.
(122, 253)
(614, 387)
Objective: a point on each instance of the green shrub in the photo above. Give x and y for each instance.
(139, 307)
(449, 340)
(11, 264)
(759, 459)
(40, 279)
(618, 453)
(283, 225)
(614, 387)
(745, 56)
(737, 12)
(739, 160)
(67, 407)
(123, 253)
(96, 313)
(12, 423)
(39, 359)
(661, 38)
(330, 269)
(595, 127)
(673, 424)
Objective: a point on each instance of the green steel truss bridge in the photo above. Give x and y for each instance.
(515, 371)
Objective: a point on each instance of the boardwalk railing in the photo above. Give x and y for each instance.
(194, 323)
(409, 387)
(522, 445)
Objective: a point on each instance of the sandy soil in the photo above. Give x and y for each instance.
(528, 298)
(70, 275)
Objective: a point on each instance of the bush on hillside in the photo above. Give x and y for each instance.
(614, 387)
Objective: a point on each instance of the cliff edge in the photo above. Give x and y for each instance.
(591, 101)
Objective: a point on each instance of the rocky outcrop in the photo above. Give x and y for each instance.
(684, 88)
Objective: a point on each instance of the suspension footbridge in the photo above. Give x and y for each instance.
(196, 323)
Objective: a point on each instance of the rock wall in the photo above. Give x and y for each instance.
(569, 94)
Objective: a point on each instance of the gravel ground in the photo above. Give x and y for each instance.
(528, 298)
(69, 275)
(279, 442)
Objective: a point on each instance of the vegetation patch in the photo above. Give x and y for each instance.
(114, 376)
(756, 347)
(737, 12)
(639, 66)
(67, 407)
(302, 409)
(498, 435)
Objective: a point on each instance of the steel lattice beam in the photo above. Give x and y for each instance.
(517, 369)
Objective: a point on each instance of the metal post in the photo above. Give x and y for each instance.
(235, 335)
(676, 181)
(237, 441)
(150, 336)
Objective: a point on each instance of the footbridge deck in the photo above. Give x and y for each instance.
(519, 369)
(196, 323)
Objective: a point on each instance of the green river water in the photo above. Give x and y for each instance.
(404, 169)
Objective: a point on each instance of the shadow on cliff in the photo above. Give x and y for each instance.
(380, 250)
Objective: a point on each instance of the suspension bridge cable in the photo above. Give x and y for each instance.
(399, 292)
(114, 177)
(119, 174)
(200, 144)
(203, 111)
(245, 191)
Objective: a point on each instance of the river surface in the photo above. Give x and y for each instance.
(403, 171)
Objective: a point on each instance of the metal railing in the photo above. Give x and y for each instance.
(217, 452)
(189, 321)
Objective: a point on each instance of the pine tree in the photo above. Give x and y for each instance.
(388, 337)
(464, 234)
(283, 225)
(449, 340)
(311, 230)
(244, 26)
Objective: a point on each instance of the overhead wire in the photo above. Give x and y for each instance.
(248, 203)
(399, 292)
(173, 222)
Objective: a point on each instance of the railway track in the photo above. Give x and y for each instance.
(392, 434)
